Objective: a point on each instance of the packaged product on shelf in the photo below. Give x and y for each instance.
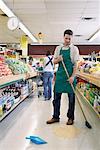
(14, 92)
(30, 85)
(1, 108)
(91, 92)
(8, 101)
(9, 98)
(97, 103)
(8, 104)
(90, 67)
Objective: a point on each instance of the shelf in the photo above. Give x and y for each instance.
(79, 92)
(86, 57)
(15, 105)
(10, 79)
(31, 75)
(90, 78)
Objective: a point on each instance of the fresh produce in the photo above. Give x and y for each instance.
(17, 66)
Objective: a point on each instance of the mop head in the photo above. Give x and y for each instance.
(88, 125)
(37, 140)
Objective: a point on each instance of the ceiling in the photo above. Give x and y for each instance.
(51, 18)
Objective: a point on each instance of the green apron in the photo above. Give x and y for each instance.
(61, 83)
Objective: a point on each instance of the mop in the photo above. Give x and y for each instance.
(87, 124)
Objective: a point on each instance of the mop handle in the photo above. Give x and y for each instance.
(73, 89)
(67, 75)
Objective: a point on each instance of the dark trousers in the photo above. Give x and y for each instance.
(56, 105)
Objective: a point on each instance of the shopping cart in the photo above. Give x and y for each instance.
(40, 83)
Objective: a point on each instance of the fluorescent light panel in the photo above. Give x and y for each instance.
(9, 13)
(94, 36)
(26, 31)
(5, 9)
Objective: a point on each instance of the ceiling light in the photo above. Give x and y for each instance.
(87, 18)
(4, 15)
(10, 14)
(94, 35)
(78, 35)
(5, 9)
(27, 32)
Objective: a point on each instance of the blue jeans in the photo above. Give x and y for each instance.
(56, 105)
(47, 83)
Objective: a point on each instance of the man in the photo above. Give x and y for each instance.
(70, 55)
(48, 76)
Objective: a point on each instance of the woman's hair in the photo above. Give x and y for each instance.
(69, 32)
(48, 53)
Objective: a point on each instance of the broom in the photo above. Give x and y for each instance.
(87, 124)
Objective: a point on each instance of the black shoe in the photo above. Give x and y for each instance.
(53, 120)
(70, 122)
(49, 98)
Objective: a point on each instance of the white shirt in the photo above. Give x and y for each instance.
(49, 67)
(74, 52)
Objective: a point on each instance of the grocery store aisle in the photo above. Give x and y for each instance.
(30, 117)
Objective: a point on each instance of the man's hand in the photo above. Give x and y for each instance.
(60, 58)
(71, 79)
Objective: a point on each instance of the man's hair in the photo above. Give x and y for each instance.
(69, 32)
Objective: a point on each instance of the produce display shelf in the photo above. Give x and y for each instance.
(31, 75)
(89, 78)
(86, 100)
(14, 106)
(86, 57)
(10, 79)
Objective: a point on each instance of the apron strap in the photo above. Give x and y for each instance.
(50, 61)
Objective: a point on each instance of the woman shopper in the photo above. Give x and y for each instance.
(48, 76)
(70, 55)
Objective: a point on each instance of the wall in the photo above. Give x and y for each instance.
(87, 49)
(42, 49)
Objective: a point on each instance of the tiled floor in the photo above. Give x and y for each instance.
(30, 117)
